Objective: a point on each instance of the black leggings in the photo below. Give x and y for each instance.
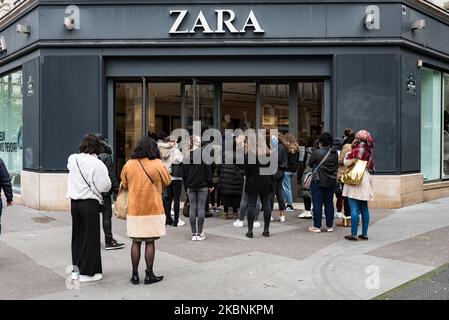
(86, 252)
(172, 193)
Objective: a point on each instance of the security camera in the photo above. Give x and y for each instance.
(369, 19)
(69, 23)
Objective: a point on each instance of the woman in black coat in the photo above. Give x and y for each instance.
(231, 187)
(324, 160)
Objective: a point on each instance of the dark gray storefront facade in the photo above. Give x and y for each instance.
(367, 75)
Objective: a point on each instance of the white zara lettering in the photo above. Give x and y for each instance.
(222, 24)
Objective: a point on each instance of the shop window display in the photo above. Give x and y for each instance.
(11, 125)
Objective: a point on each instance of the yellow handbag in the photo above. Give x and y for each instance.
(353, 175)
(121, 204)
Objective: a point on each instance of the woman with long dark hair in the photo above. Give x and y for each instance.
(145, 176)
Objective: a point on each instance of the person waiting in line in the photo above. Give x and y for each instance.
(215, 195)
(231, 184)
(289, 142)
(241, 142)
(359, 195)
(106, 157)
(305, 191)
(338, 145)
(198, 181)
(258, 185)
(279, 177)
(324, 161)
(172, 158)
(88, 179)
(145, 176)
(5, 185)
(344, 202)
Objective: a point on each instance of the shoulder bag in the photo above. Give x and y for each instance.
(308, 177)
(353, 175)
(121, 204)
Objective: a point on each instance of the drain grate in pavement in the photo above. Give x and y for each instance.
(42, 220)
(430, 286)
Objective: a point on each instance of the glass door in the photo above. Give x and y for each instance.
(128, 120)
(200, 104)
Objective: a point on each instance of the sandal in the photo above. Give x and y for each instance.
(351, 238)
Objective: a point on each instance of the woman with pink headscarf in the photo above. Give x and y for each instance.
(359, 195)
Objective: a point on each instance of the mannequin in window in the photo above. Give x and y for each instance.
(245, 123)
(226, 122)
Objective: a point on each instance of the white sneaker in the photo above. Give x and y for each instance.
(96, 277)
(339, 215)
(305, 215)
(282, 218)
(194, 237)
(315, 230)
(272, 219)
(256, 224)
(238, 223)
(309, 215)
(75, 275)
(181, 223)
(201, 237)
(330, 229)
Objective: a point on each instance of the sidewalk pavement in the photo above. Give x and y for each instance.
(291, 264)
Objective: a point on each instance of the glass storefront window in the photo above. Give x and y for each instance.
(11, 125)
(446, 126)
(310, 112)
(431, 124)
(200, 103)
(274, 102)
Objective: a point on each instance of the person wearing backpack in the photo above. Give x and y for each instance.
(5, 185)
(324, 161)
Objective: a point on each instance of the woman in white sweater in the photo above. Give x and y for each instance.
(88, 179)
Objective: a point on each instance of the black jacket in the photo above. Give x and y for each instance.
(292, 162)
(5, 182)
(257, 184)
(196, 176)
(106, 158)
(327, 173)
(231, 179)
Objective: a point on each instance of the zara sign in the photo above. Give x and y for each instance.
(224, 22)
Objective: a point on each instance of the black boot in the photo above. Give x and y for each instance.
(135, 277)
(266, 227)
(249, 234)
(150, 277)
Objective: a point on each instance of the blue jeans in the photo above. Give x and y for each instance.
(197, 213)
(244, 205)
(320, 196)
(356, 207)
(287, 187)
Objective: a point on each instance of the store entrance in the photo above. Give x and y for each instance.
(156, 108)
